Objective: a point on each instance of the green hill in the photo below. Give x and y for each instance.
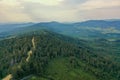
(45, 55)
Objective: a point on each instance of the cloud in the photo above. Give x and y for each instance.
(106, 13)
(44, 13)
(9, 2)
(96, 4)
(12, 11)
(46, 2)
(57, 10)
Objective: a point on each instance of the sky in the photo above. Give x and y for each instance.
(58, 10)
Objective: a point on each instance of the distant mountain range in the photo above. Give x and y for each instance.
(100, 23)
(87, 29)
(11, 26)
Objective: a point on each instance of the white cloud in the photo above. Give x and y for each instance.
(9, 2)
(46, 2)
(59, 10)
(95, 4)
(12, 11)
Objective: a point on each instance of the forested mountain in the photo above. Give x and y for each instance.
(46, 55)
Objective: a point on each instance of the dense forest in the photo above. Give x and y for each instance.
(45, 55)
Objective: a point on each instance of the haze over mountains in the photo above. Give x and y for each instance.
(4, 27)
(94, 28)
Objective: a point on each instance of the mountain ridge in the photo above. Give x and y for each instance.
(51, 46)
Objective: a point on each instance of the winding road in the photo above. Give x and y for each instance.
(9, 77)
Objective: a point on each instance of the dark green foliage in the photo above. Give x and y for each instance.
(48, 48)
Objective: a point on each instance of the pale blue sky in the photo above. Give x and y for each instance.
(58, 10)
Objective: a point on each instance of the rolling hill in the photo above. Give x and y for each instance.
(46, 55)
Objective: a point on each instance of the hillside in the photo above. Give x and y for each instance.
(45, 55)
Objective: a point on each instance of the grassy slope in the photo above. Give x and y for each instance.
(60, 69)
